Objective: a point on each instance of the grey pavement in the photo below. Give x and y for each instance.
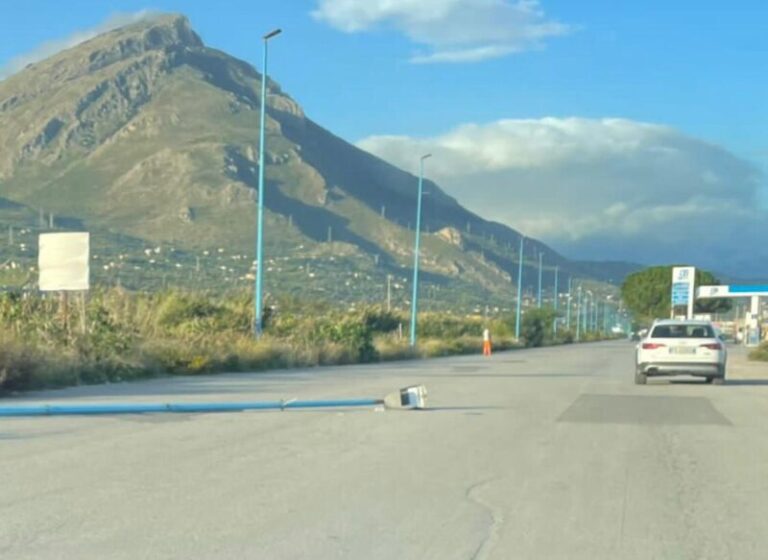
(547, 453)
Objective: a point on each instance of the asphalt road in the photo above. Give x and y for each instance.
(550, 453)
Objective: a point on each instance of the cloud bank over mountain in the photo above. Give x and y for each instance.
(606, 188)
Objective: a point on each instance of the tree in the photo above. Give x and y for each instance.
(648, 293)
(536, 327)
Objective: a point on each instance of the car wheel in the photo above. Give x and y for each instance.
(640, 378)
(709, 379)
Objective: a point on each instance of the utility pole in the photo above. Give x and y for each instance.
(389, 292)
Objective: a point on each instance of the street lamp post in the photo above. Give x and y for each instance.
(518, 311)
(538, 297)
(595, 314)
(587, 310)
(258, 322)
(568, 309)
(578, 313)
(597, 317)
(415, 298)
(556, 296)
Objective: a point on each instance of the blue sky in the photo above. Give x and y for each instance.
(695, 68)
(698, 66)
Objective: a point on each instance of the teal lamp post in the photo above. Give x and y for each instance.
(556, 298)
(415, 298)
(568, 309)
(258, 322)
(519, 308)
(541, 264)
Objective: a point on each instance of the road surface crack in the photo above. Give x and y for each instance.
(496, 520)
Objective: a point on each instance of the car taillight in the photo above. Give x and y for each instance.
(652, 345)
(712, 346)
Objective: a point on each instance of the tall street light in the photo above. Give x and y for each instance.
(588, 310)
(518, 311)
(538, 297)
(258, 322)
(596, 313)
(415, 298)
(578, 313)
(557, 271)
(568, 309)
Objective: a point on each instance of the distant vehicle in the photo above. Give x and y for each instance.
(674, 347)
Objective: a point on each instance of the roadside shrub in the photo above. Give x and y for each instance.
(443, 326)
(380, 321)
(19, 365)
(565, 336)
(356, 335)
(536, 327)
(760, 353)
(132, 335)
(390, 348)
(176, 308)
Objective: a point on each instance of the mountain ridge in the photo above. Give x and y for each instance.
(148, 132)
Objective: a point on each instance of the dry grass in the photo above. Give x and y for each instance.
(132, 336)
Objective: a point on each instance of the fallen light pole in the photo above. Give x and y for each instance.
(413, 397)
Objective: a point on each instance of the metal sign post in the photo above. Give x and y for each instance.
(64, 264)
(683, 278)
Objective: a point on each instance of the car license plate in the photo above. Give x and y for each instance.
(682, 350)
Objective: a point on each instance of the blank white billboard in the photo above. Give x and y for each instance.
(63, 261)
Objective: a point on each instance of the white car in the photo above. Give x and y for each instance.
(675, 347)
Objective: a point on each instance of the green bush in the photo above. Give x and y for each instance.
(444, 326)
(760, 353)
(536, 327)
(565, 336)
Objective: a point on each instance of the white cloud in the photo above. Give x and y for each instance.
(609, 188)
(452, 30)
(50, 48)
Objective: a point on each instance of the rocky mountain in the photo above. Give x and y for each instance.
(145, 133)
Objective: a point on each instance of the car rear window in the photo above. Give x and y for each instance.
(683, 331)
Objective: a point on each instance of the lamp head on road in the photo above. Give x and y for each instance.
(426, 156)
(271, 34)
